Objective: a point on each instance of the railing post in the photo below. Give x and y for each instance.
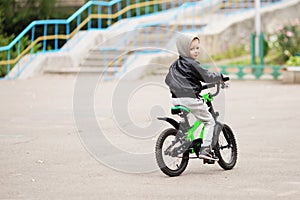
(56, 40)
(119, 8)
(225, 7)
(89, 14)
(45, 41)
(276, 72)
(173, 4)
(147, 9)
(128, 13)
(78, 20)
(261, 48)
(8, 58)
(240, 72)
(249, 4)
(32, 39)
(19, 47)
(155, 8)
(258, 71)
(164, 6)
(109, 13)
(137, 9)
(19, 52)
(67, 31)
(252, 46)
(99, 19)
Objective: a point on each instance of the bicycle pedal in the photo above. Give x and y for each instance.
(206, 161)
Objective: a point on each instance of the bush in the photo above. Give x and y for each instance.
(232, 52)
(293, 61)
(5, 40)
(286, 40)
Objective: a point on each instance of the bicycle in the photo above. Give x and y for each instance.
(175, 146)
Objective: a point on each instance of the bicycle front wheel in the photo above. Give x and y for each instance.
(226, 148)
(169, 164)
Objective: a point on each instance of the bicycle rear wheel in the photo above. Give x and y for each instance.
(226, 148)
(169, 164)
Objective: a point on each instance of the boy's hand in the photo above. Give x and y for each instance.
(225, 78)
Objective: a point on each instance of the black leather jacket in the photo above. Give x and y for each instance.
(185, 75)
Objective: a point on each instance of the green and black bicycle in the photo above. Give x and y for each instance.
(175, 146)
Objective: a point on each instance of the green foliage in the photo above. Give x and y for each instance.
(266, 47)
(286, 40)
(14, 52)
(293, 61)
(1, 20)
(3, 55)
(232, 52)
(243, 62)
(17, 14)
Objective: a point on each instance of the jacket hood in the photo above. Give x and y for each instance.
(183, 43)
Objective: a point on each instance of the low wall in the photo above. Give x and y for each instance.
(291, 75)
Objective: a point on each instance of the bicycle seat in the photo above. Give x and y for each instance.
(180, 110)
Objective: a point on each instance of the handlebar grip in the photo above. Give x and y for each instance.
(225, 78)
(210, 85)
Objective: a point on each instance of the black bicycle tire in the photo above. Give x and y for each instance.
(229, 133)
(159, 158)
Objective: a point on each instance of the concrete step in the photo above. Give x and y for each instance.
(74, 70)
(98, 58)
(160, 71)
(102, 56)
(169, 30)
(99, 64)
(138, 44)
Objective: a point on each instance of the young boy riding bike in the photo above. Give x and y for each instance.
(184, 81)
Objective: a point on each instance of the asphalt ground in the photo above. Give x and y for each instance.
(47, 129)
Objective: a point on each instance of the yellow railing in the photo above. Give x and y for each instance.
(81, 25)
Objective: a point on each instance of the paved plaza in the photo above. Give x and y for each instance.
(44, 154)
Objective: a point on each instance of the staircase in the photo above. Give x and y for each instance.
(109, 59)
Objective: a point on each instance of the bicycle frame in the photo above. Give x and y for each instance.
(188, 130)
(185, 126)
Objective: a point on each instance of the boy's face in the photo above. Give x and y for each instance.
(195, 49)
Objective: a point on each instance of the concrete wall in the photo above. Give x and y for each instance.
(68, 58)
(236, 29)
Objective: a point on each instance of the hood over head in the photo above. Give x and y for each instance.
(183, 43)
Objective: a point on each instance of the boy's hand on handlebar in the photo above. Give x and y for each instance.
(225, 78)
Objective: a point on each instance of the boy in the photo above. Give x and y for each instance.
(184, 79)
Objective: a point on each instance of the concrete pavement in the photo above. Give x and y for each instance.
(43, 156)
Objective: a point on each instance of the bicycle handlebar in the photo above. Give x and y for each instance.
(211, 85)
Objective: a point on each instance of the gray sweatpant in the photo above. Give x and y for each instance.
(200, 110)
